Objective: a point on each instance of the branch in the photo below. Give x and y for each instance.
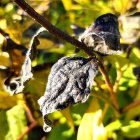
(51, 28)
(62, 35)
(131, 106)
(134, 104)
(31, 120)
(109, 85)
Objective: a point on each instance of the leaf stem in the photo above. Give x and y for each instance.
(134, 104)
(51, 28)
(109, 85)
(131, 106)
(31, 120)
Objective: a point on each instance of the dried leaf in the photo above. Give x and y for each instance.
(68, 83)
(16, 84)
(103, 36)
(16, 53)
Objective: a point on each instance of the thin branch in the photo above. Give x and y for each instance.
(62, 35)
(131, 106)
(51, 28)
(31, 120)
(134, 104)
(109, 85)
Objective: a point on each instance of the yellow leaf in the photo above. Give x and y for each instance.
(122, 6)
(3, 24)
(67, 4)
(91, 127)
(70, 6)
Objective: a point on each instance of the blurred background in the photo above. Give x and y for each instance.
(20, 117)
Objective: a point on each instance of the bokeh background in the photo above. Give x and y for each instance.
(94, 120)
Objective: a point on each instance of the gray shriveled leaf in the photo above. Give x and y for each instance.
(69, 83)
(16, 85)
(103, 36)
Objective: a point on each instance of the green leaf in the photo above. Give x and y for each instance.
(132, 130)
(3, 124)
(61, 132)
(17, 122)
(116, 125)
(91, 127)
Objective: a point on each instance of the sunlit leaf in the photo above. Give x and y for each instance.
(121, 5)
(113, 126)
(91, 126)
(118, 61)
(132, 130)
(130, 27)
(3, 23)
(17, 122)
(70, 6)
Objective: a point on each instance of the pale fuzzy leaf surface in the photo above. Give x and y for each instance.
(17, 84)
(69, 83)
(17, 122)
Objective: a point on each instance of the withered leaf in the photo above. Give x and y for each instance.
(29, 32)
(16, 83)
(16, 53)
(69, 83)
(103, 36)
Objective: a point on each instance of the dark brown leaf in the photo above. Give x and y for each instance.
(103, 36)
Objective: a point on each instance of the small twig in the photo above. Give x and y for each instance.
(110, 87)
(132, 105)
(51, 28)
(31, 120)
(135, 103)
(62, 35)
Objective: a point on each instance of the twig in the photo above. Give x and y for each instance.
(132, 105)
(31, 120)
(51, 28)
(109, 85)
(62, 35)
(135, 103)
